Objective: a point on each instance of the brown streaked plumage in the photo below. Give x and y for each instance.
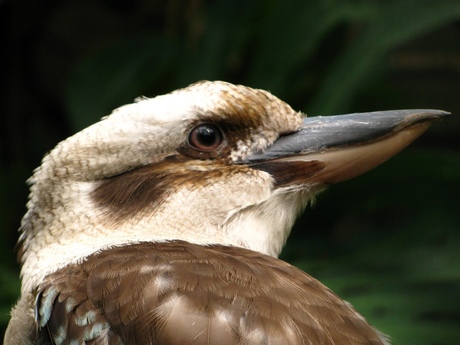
(162, 223)
(183, 293)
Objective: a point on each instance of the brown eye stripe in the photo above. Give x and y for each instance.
(144, 189)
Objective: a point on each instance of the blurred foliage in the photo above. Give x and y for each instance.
(387, 242)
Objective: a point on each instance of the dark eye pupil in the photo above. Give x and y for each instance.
(205, 137)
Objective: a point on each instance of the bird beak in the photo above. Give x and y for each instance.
(332, 149)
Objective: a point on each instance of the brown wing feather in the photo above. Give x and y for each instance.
(182, 293)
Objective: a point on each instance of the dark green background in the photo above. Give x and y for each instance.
(389, 241)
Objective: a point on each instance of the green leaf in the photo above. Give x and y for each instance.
(215, 41)
(117, 75)
(394, 23)
(291, 34)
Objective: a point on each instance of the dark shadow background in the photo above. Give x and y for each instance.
(389, 241)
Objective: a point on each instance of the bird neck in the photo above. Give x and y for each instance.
(66, 226)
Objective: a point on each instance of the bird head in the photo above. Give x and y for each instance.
(210, 163)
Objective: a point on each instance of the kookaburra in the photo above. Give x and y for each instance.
(162, 223)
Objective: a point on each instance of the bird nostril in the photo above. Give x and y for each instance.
(205, 137)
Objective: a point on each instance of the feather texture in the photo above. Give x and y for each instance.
(183, 293)
(153, 225)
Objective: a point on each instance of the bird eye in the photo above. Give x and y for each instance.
(205, 137)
